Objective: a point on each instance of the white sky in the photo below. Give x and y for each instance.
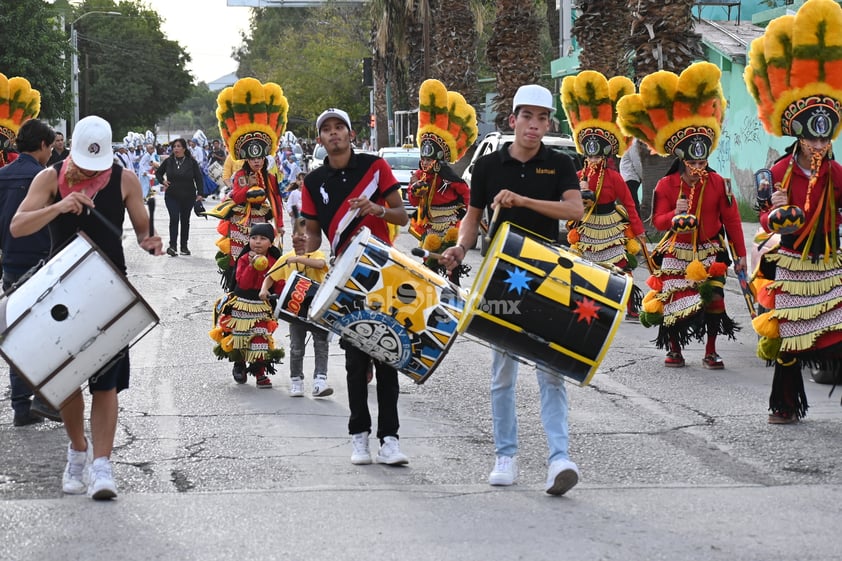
(207, 29)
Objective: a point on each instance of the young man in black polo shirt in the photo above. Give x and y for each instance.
(534, 188)
(348, 192)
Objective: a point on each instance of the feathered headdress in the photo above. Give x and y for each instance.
(795, 72)
(252, 117)
(447, 124)
(18, 103)
(589, 101)
(679, 115)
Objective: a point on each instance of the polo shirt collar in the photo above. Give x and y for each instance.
(506, 157)
(352, 163)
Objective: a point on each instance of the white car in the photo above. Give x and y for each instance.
(318, 157)
(493, 141)
(403, 162)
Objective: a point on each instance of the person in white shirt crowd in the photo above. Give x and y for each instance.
(149, 163)
(124, 157)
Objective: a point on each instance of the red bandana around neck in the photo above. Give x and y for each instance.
(71, 179)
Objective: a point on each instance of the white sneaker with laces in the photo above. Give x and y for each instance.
(390, 452)
(320, 388)
(296, 387)
(360, 455)
(101, 486)
(562, 475)
(75, 478)
(504, 472)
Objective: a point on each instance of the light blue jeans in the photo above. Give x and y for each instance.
(554, 406)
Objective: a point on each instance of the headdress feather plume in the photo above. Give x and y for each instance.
(18, 103)
(447, 124)
(671, 109)
(251, 111)
(795, 71)
(590, 99)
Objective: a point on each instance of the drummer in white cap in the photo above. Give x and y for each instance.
(60, 197)
(534, 188)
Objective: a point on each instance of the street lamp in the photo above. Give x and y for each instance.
(74, 65)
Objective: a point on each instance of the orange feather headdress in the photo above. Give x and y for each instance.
(252, 117)
(447, 124)
(677, 115)
(589, 100)
(795, 72)
(18, 103)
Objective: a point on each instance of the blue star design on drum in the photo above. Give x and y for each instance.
(518, 280)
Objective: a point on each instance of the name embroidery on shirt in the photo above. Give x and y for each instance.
(545, 171)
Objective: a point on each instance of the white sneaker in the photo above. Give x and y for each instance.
(75, 478)
(562, 476)
(390, 452)
(504, 472)
(320, 388)
(296, 387)
(101, 486)
(361, 454)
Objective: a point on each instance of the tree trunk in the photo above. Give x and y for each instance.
(454, 47)
(602, 31)
(513, 53)
(662, 36)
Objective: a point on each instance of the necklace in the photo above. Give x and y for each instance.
(178, 163)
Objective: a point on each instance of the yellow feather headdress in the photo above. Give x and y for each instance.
(252, 117)
(677, 114)
(447, 124)
(795, 72)
(18, 103)
(589, 100)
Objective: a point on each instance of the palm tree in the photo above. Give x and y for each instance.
(602, 32)
(662, 36)
(513, 53)
(454, 47)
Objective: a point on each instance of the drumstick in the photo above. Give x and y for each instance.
(421, 252)
(89, 210)
(150, 203)
(492, 224)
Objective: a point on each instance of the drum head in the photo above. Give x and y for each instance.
(339, 273)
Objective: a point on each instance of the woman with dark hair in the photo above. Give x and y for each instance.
(182, 187)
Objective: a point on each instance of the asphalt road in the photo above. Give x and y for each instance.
(675, 463)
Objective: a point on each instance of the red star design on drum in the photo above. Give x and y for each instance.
(587, 310)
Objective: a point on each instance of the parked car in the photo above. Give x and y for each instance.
(494, 140)
(317, 159)
(403, 162)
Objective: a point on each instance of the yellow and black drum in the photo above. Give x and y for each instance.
(541, 302)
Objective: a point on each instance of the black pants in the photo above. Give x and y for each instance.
(180, 210)
(356, 368)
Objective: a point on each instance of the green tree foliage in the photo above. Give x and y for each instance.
(316, 56)
(33, 45)
(130, 74)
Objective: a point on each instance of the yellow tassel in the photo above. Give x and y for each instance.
(451, 235)
(216, 334)
(227, 343)
(224, 245)
(766, 326)
(633, 246)
(651, 304)
(432, 242)
(696, 271)
(768, 348)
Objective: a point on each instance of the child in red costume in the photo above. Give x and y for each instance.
(243, 323)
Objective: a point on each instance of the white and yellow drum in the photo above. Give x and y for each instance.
(388, 305)
(541, 302)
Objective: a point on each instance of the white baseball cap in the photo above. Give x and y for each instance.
(91, 147)
(333, 112)
(533, 94)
